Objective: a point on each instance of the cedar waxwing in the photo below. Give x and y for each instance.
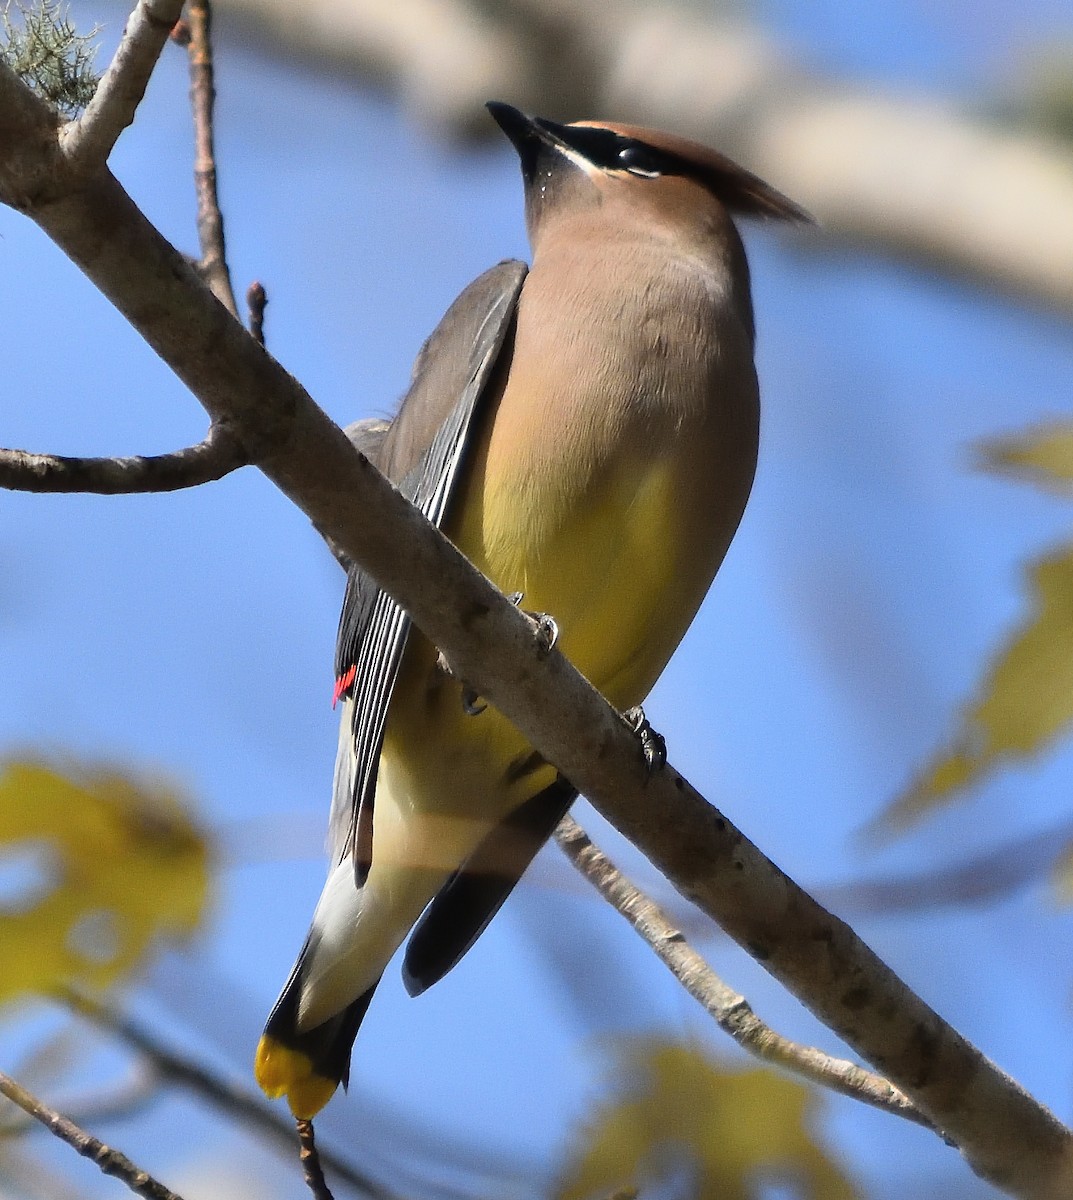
(586, 433)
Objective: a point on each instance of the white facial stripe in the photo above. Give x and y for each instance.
(579, 160)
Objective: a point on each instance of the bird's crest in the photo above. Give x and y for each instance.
(738, 190)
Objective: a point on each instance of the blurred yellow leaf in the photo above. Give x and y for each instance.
(1046, 88)
(1025, 701)
(1043, 456)
(122, 866)
(1062, 876)
(680, 1115)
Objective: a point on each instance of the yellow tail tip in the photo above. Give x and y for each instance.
(281, 1071)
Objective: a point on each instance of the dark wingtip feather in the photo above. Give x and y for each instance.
(462, 909)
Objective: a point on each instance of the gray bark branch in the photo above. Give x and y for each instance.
(209, 460)
(210, 221)
(88, 140)
(730, 1010)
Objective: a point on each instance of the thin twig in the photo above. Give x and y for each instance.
(88, 140)
(732, 1012)
(256, 302)
(210, 222)
(233, 1101)
(310, 1160)
(110, 1161)
(218, 455)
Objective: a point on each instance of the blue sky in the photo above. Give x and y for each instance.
(191, 636)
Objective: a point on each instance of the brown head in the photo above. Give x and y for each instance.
(585, 163)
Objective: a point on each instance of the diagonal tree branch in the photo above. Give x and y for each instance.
(218, 455)
(88, 140)
(110, 1161)
(1005, 1135)
(731, 1011)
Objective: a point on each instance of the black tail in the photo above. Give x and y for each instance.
(326, 1046)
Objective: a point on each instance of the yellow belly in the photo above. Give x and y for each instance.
(610, 575)
(604, 574)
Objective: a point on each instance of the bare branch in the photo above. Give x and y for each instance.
(731, 1011)
(1006, 1135)
(88, 140)
(310, 1160)
(218, 455)
(210, 222)
(110, 1161)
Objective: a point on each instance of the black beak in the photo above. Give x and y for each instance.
(531, 137)
(521, 130)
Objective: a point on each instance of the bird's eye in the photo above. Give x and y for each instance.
(638, 161)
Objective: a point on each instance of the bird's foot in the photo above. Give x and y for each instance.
(472, 705)
(547, 633)
(547, 628)
(653, 744)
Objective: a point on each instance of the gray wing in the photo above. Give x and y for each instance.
(421, 451)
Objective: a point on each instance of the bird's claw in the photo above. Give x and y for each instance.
(472, 705)
(653, 744)
(547, 628)
(547, 632)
